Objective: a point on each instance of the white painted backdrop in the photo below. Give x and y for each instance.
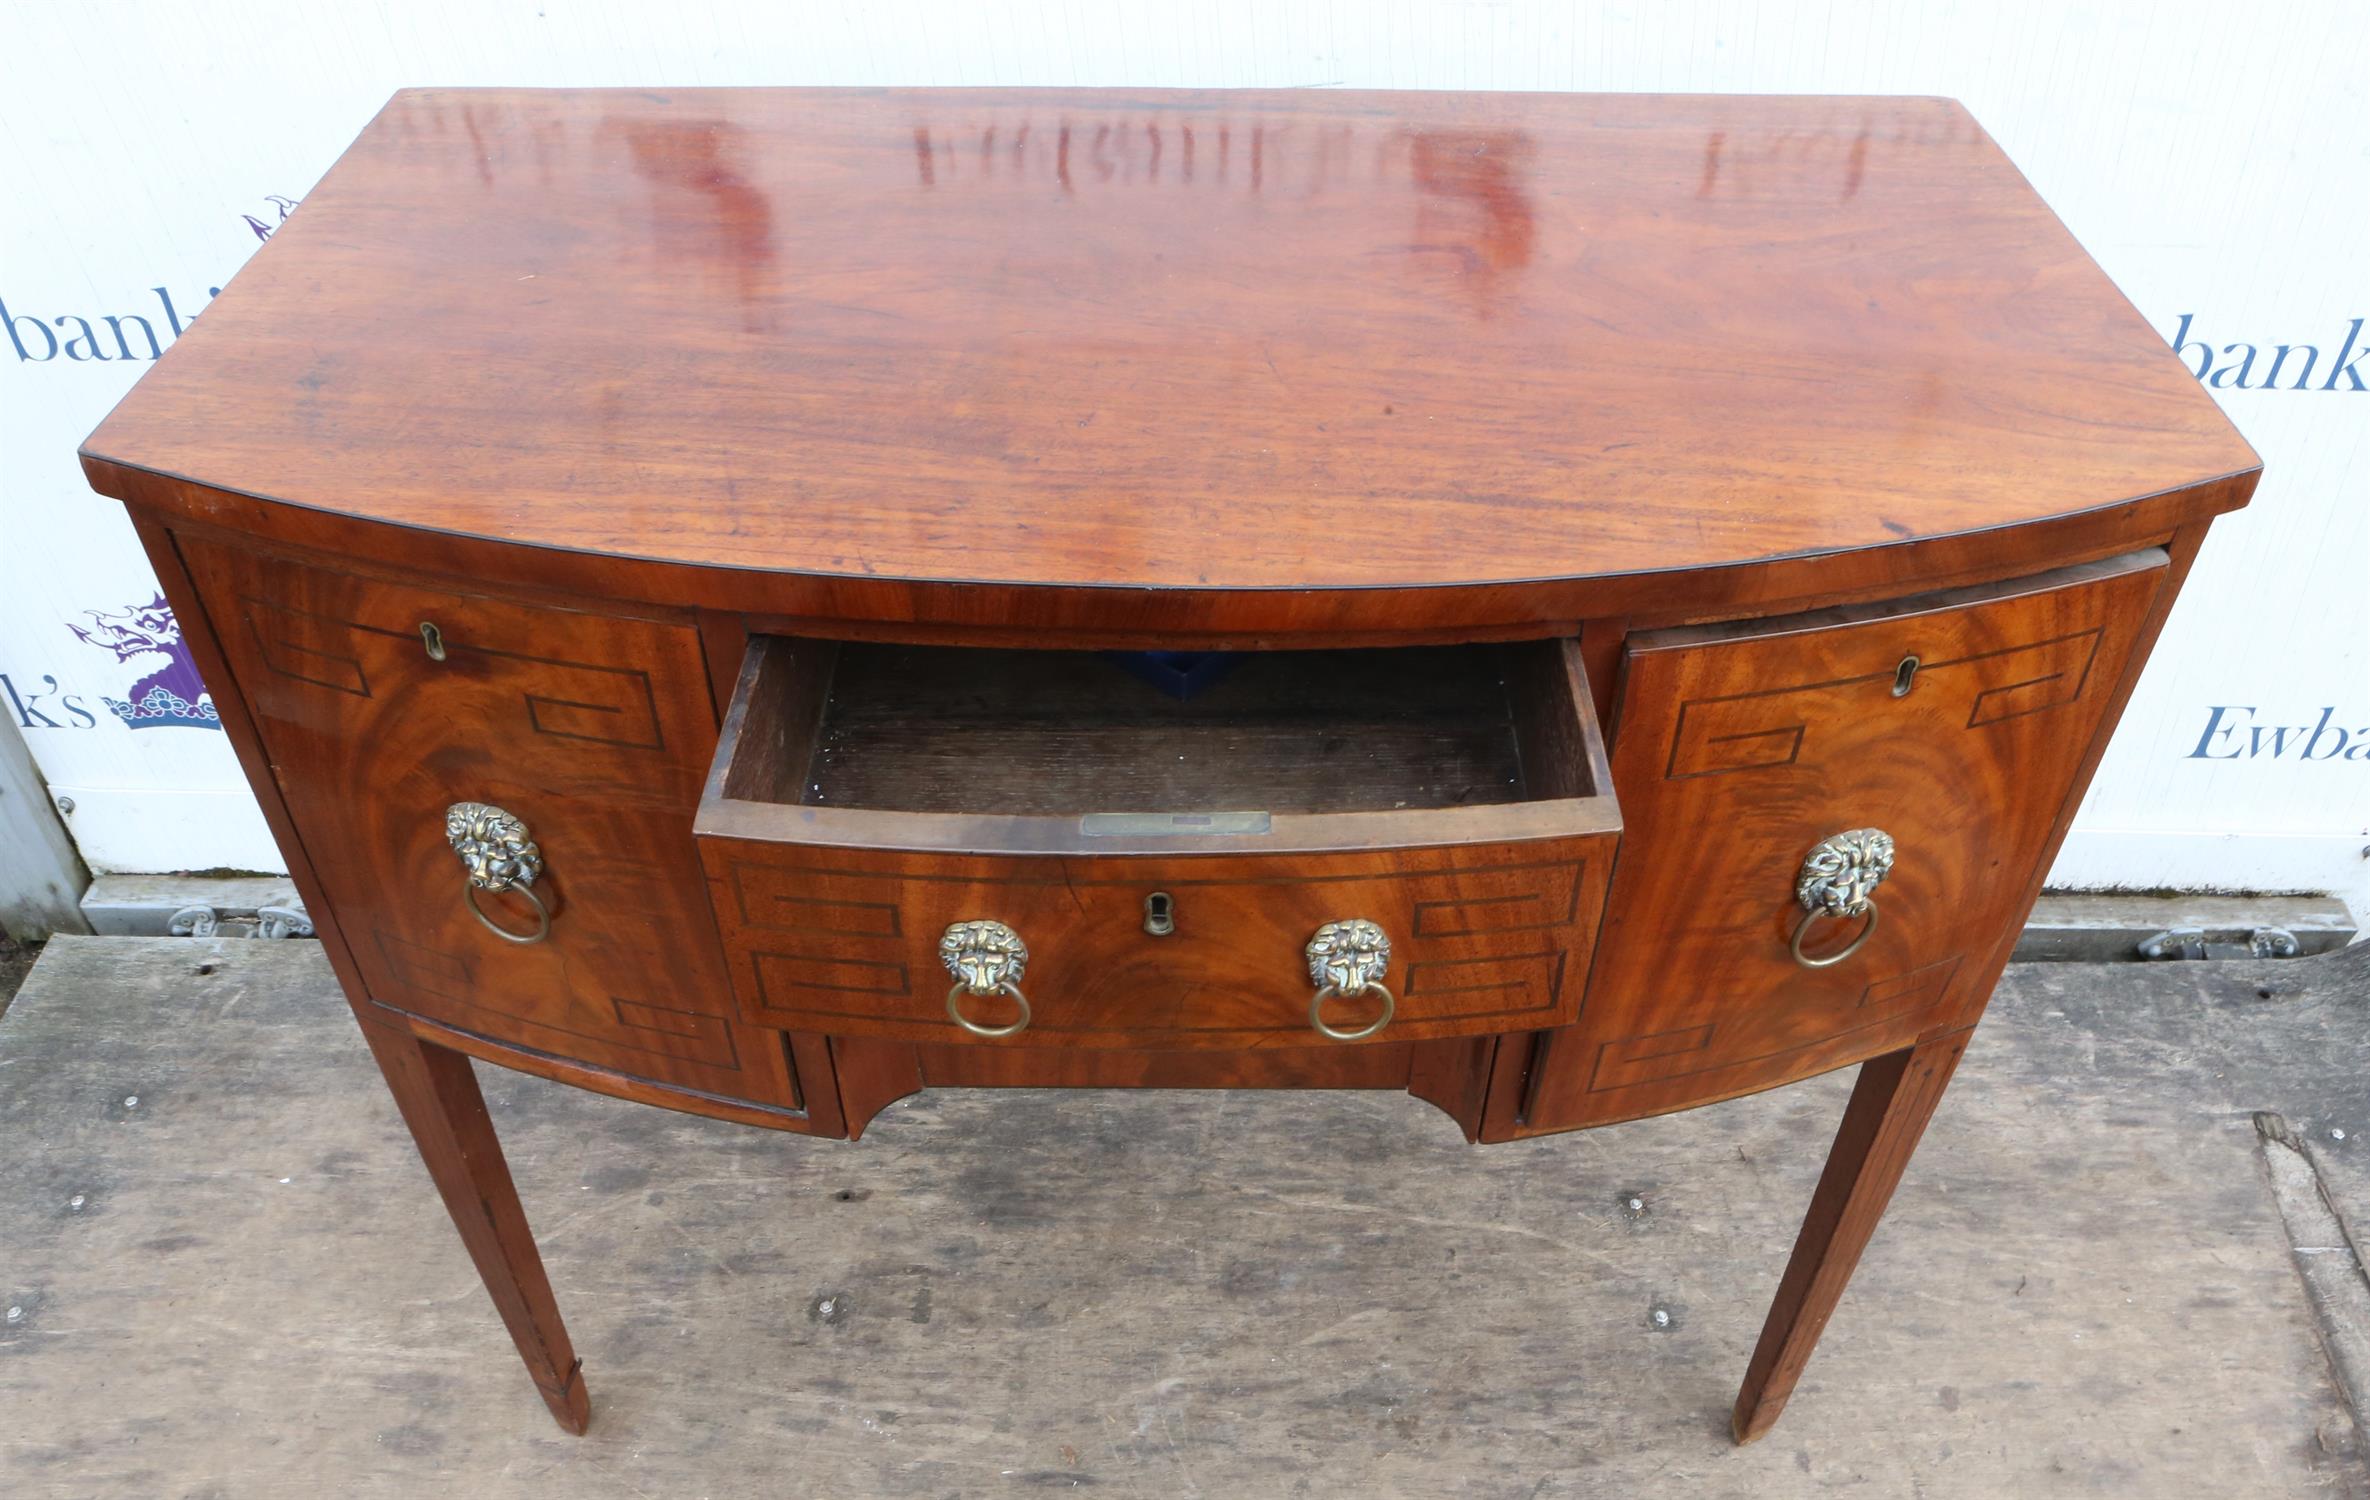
(2213, 156)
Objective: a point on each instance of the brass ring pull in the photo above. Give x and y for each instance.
(1316, 1004)
(954, 1009)
(1838, 879)
(542, 915)
(986, 958)
(1346, 959)
(499, 855)
(1802, 927)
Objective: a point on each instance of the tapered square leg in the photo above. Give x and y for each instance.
(1889, 1108)
(437, 1092)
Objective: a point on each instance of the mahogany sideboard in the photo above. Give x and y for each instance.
(763, 601)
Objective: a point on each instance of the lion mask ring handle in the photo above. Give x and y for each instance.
(1838, 879)
(499, 855)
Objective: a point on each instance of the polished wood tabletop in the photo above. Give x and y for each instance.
(1430, 351)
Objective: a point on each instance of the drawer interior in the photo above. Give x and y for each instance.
(1075, 740)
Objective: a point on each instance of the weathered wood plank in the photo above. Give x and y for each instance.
(256, 1292)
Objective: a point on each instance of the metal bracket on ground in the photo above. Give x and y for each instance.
(264, 922)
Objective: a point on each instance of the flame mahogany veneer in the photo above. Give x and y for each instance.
(1621, 495)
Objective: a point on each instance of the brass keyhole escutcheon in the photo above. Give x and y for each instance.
(433, 639)
(1905, 676)
(1160, 914)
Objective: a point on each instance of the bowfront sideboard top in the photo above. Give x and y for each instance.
(1175, 361)
(763, 602)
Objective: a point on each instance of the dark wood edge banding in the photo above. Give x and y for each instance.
(1046, 614)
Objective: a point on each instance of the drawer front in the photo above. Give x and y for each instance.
(1741, 748)
(1484, 938)
(595, 731)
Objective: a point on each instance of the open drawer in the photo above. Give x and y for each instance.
(1166, 864)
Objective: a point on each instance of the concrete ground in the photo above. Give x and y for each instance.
(225, 1274)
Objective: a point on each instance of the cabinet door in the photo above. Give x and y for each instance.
(1955, 723)
(594, 730)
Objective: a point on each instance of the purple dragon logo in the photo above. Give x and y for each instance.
(264, 231)
(171, 695)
